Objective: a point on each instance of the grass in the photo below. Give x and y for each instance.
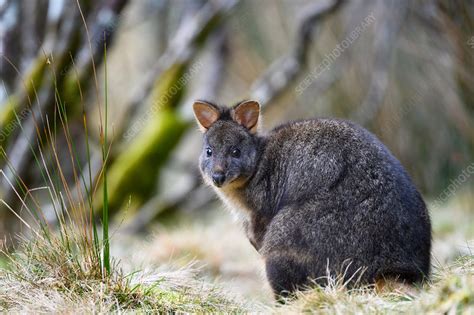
(450, 292)
(42, 277)
(105, 207)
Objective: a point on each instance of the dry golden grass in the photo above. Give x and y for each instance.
(450, 292)
(43, 276)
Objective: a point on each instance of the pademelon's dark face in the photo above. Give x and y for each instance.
(229, 154)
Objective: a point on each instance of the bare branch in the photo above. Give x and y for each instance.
(215, 75)
(181, 49)
(283, 72)
(102, 32)
(34, 15)
(393, 14)
(10, 43)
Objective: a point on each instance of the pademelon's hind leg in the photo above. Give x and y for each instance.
(286, 274)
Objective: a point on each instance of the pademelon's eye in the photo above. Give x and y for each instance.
(235, 153)
(208, 152)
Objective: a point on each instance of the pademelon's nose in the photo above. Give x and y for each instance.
(218, 178)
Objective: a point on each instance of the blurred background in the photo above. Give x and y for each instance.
(403, 69)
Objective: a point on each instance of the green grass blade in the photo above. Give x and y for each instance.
(105, 210)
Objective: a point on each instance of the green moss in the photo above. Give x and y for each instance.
(35, 78)
(7, 112)
(18, 103)
(134, 172)
(168, 90)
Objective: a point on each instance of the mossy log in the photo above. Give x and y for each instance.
(132, 176)
(18, 104)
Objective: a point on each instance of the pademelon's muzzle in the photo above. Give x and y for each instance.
(218, 178)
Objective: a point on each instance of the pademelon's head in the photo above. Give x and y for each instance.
(230, 146)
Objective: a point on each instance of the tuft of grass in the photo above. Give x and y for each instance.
(42, 277)
(451, 291)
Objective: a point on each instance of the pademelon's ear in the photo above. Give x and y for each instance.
(247, 114)
(206, 114)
